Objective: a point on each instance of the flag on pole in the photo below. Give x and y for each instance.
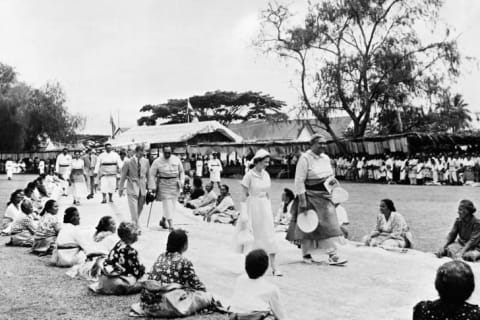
(189, 108)
(114, 127)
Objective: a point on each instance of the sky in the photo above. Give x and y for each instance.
(113, 57)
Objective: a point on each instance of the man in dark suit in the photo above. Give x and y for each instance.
(135, 171)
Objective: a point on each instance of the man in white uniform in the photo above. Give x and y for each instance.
(107, 166)
(41, 167)
(9, 168)
(167, 177)
(63, 166)
(215, 168)
(199, 166)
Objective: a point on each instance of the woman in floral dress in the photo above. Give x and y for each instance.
(172, 272)
(121, 269)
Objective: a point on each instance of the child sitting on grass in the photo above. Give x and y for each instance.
(254, 297)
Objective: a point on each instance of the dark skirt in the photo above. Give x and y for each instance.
(328, 226)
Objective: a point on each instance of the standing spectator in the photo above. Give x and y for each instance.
(215, 168)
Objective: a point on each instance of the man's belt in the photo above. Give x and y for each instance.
(64, 165)
(167, 177)
(109, 164)
(315, 185)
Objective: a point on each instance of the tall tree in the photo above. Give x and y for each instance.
(223, 106)
(354, 56)
(28, 115)
(453, 112)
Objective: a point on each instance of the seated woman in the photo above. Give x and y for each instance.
(455, 283)
(24, 227)
(172, 272)
(29, 195)
(121, 269)
(186, 191)
(391, 229)
(105, 239)
(197, 190)
(204, 203)
(467, 229)
(40, 182)
(48, 228)
(12, 212)
(71, 244)
(224, 210)
(254, 297)
(283, 214)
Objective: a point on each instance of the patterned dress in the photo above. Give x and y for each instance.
(436, 310)
(46, 234)
(173, 268)
(123, 261)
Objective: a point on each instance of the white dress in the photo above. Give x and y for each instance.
(259, 210)
(79, 185)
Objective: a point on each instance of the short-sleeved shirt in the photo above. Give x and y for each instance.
(311, 166)
(435, 310)
(258, 184)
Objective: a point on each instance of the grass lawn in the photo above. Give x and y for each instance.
(31, 290)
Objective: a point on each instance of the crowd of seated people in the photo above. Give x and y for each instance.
(114, 265)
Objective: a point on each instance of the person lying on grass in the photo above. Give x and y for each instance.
(455, 284)
(24, 227)
(463, 241)
(254, 297)
(48, 228)
(121, 269)
(172, 279)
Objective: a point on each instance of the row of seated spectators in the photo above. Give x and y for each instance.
(108, 258)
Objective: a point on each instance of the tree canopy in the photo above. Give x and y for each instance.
(356, 56)
(222, 106)
(30, 115)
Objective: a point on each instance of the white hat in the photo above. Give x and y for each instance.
(339, 195)
(261, 153)
(307, 221)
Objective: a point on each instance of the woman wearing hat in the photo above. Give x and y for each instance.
(463, 241)
(313, 169)
(256, 202)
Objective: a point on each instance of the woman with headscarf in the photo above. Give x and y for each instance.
(463, 241)
(391, 229)
(256, 205)
(313, 170)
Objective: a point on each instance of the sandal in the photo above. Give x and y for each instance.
(307, 259)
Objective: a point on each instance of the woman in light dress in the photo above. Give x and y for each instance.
(13, 211)
(391, 229)
(78, 179)
(256, 205)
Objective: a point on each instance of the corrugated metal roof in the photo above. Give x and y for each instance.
(287, 130)
(171, 133)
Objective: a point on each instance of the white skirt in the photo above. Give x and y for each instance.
(215, 176)
(261, 222)
(108, 184)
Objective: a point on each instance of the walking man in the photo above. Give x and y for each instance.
(107, 166)
(63, 166)
(90, 161)
(135, 170)
(167, 177)
(215, 168)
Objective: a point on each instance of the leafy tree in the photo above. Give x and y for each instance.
(354, 56)
(223, 106)
(28, 115)
(453, 112)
